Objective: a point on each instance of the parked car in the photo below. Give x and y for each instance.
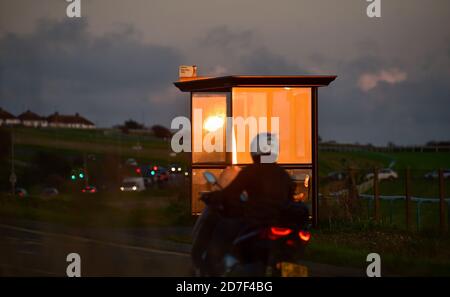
(131, 162)
(133, 184)
(435, 174)
(386, 173)
(89, 190)
(50, 192)
(336, 175)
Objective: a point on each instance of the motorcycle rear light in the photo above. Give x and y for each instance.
(277, 231)
(304, 236)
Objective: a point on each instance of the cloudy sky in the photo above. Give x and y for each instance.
(119, 60)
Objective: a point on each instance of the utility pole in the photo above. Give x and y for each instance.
(86, 175)
(12, 177)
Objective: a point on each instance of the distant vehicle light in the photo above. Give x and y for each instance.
(122, 188)
(304, 235)
(179, 168)
(134, 188)
(172, 169)
(138, 170)
(186, 173)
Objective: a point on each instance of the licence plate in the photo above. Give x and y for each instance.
(293, 270)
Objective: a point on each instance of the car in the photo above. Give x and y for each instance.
(175, 168)
(336, 175)
(89, 190)
(133, 184)
(435, 174)
(21, 192)
(50, 192)
(159, 173)
(162, 174)
(131, 162)
(386, 173)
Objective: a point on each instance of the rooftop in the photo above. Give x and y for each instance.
(4, 115)
(225, 83)
(68, 119)
(30, 116)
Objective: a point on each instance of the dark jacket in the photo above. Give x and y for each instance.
(268, 187)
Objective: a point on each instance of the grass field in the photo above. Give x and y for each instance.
(94, 141)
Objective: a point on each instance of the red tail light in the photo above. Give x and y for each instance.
(84, 190)
(277, 231)
(304, 235)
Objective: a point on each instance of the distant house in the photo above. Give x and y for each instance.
(57, 120)
(30, 119)
(8, 119)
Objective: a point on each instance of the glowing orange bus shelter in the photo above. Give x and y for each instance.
(291, 99)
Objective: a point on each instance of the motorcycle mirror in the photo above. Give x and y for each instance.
(210, 178)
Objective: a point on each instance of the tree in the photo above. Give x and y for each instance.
(132, 125)
(161, 132)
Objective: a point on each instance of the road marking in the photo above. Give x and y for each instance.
(89, 240)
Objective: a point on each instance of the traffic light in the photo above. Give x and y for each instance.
(77, 174)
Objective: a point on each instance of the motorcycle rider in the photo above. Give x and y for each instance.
(267, 187)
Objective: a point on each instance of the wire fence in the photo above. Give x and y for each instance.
(413, 200)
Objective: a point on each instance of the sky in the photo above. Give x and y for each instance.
(120, 59)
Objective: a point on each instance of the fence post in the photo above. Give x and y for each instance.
(418, 215)
(441, 202)
(407, 199)
(376, 193)
(391, 211)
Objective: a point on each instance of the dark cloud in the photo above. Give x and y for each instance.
(410, 111)
(114, 76)
(61, 66)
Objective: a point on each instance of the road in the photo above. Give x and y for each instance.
(28, 252)
(37, 249)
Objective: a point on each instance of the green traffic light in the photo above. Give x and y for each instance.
(152, 172)
(73, 177)
(81, 175)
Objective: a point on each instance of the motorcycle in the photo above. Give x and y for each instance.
(259, 249)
